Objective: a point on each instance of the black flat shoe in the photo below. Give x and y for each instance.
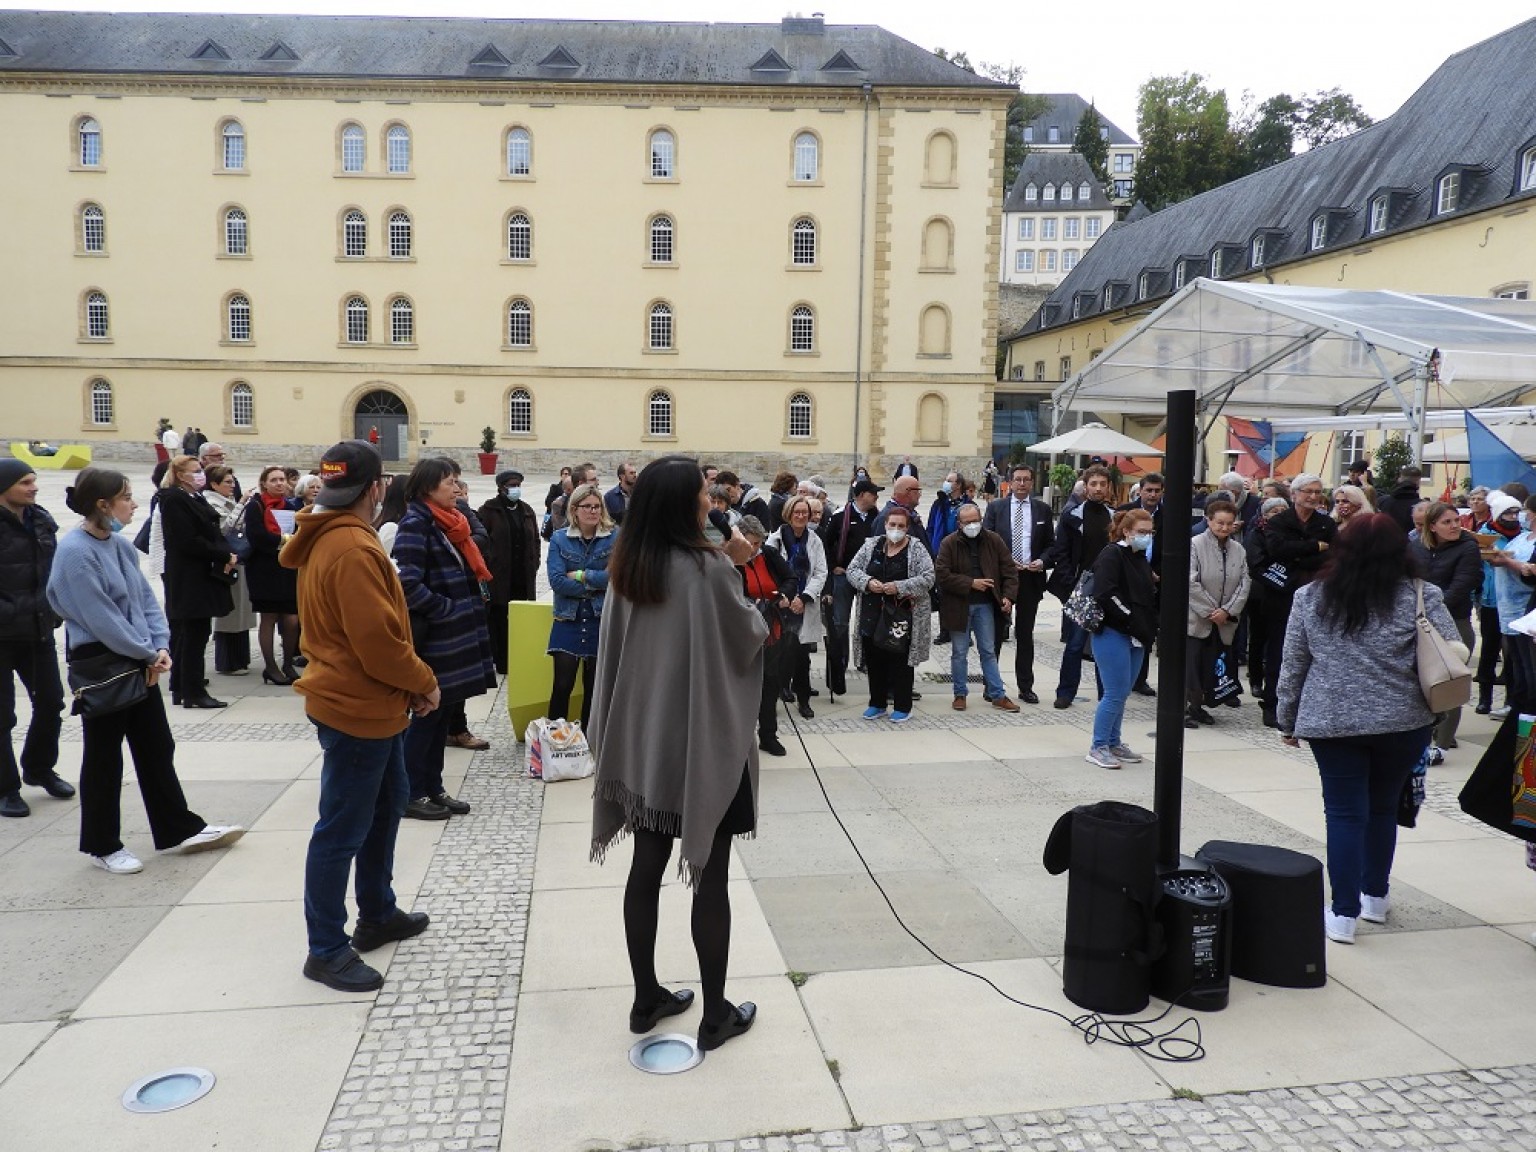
(1144, 690)
(53, 784)
(772, 747)
(401, 926)
(741, 1019)
(11, 804)
(346, 973)
(1202, 715)
(1190, 722)
(807, 712)
(1029, 698)
(455, 806)
(425, 808)
(204, 701)
(669, 1004)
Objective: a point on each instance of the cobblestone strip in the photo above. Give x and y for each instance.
(1482, 1111)
(430, 1072)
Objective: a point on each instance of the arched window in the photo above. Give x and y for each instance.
(1084, 192)
(941, 158)
(1031, 193)
(103, 411)
(89, 143)
(802, 329)
(803, 244)
(933, 331)
(663, 155)
(93, 229)
(357, 320)
(233, 139)
(397, 148)
(519, 152)
(939, 243)
(661, 240)
(236, 237)
(1066, 192)
(237, 326)
(659, 414)
(354, 148)
(800, 425)
(1449, 193)
(519, 237)
(242, 405)
(402, 321)
(399, 235)
(98, 324)
(520, 324)
(354, 234)
(661, 327)
(807, 157)
(1049, 194)
(520, 412)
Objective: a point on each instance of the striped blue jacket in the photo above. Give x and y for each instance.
(447, 611)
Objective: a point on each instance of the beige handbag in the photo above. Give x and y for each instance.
(1444, 677)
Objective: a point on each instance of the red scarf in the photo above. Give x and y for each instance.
(455, 526)
(269, 503)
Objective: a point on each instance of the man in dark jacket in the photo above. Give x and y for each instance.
(976, 579)
(1299, 540)
(1024, 525)
(847, 530)
(616, 499)
(1399, 503)
(1081, 535)
(908, 493)
(27, 540)
(745, 499)
(512, 556)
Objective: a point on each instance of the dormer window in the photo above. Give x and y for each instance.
(1066, 193)
(1379, 212)
(1528, 170)
(1178, 275)
(1256, 251)
(1077, 307)
(1031, 193)
(1053, 135)
(1144, 286)
(1050, 192)
(1216, 264)
(1029, 133)
(1319, 232)
(1448, 193)
(1109, 297)
(1103, 133)
(1084, 191)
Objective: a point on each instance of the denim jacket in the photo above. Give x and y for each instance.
(568, 552)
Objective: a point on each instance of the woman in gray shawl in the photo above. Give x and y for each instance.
(673, 732)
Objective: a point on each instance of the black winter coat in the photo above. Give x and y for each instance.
(26, 558)
(1123, 587)
(267, 581)
(194, 551)
(1295, 544)
(1456, 569)
(1399, 503)
(512, 553)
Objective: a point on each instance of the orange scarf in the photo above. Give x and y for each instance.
(455, 526)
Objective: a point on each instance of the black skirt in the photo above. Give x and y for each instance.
(740, 818)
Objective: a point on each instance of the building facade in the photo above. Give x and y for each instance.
(1055, 211)
(761, 242)
(1055, 129)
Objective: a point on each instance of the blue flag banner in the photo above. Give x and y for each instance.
(1494, 462)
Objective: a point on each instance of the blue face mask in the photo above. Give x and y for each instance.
(945, 487)
(114, 525)
(513, 494)
(1141, 541)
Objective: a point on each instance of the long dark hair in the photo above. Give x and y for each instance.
(662, 517)
(1367, 561)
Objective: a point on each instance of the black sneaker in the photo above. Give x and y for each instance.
(52, 783)
(401, 926)
(425, 808)
(772, 746)
(345, 973)
(11, 804)
(455, 806)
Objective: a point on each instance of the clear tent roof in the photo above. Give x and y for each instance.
(1272, 350)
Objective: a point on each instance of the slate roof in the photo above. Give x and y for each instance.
(1041, 168)
(1066, 110)
(1473, 115)
(372, 47)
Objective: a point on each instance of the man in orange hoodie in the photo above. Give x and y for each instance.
(361, 684)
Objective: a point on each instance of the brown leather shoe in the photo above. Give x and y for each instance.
(468, 740)
(959, 704)
(1005, 704)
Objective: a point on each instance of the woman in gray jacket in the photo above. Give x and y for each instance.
(1218, 592)
(1357, 619)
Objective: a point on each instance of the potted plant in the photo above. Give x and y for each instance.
(488, 451)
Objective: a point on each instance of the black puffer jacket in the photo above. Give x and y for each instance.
(1122, 584)
(26, 558)
(1456, 569)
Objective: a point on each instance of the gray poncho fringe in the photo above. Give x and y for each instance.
(674, 709)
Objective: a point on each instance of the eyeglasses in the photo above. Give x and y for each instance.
(589, 507)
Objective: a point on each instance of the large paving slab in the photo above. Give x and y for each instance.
(19, 1041)
(52, 958)
(267, 865)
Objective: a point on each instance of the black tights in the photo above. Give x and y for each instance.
(711, 920)
(565, 684)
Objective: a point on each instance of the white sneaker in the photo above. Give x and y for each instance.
(1101, 756)
(120, 863)
(1339, 929)
(212, 836)
(1123, 753)
(1500, 713)
(1373, 908)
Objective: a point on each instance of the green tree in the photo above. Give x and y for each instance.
(1328, 116)
(1090, 144)
(1269, 134)
(1188, 145)
(1391, 457)
(1023, 108)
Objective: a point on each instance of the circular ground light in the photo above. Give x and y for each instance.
(666, 1054)
(168, 1090)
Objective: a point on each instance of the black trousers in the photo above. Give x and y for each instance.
(1025, 609)
(1277, 614)
(496, 623)
(149, 739)
(189, 643)
(890, 678)
(36, 664)
(795, 666)
(1256, 616)
(768, 706)
(1493, 647)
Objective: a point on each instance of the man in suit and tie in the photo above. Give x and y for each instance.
(1024, 523)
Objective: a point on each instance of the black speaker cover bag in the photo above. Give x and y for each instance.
(1112, 935)
(1277, 912)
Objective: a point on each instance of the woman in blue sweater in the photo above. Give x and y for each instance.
(577, 566)
(108, 607)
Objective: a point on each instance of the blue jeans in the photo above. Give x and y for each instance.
(362, 797)
(1118, 664)
(1363, 777)
(982, 625)
(1072, 660)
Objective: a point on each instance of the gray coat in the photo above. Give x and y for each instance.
(1335, 685)
(1218, 578)
(810, 622)
(919, 579)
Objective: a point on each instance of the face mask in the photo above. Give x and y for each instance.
(946, 487)
(971, 530)
(895, 535)
(1505, 529)
(1525, 520)
(199, 480)
(512, 494)
(1142, 541)
(114, 525)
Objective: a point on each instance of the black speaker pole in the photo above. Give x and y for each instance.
(1178, 498)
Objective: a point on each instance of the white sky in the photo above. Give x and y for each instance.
(1379, 54)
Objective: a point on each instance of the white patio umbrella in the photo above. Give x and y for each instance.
(1094, 440)
(1451, 448)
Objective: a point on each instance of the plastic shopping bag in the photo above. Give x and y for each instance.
(557, 750)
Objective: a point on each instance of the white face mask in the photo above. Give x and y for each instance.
(1142, 541)
(971, 530)
(946, 487)
(895, 535)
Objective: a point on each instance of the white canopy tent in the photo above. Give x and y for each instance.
(1451, 448)
(1266, 351)
(1094, 439)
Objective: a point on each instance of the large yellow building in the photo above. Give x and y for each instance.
(763, 242)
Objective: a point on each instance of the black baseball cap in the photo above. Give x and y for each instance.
(345, 470)
(864, 486)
